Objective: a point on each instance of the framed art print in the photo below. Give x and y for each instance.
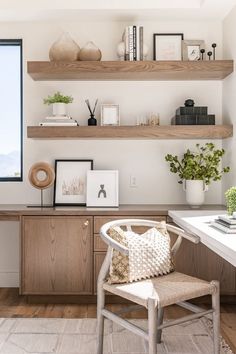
(110, 114)
(192, 49)
(71, 182)
(103, 188)
(167, 46)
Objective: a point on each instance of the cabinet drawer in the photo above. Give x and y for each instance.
(99, 244)
(101, 220)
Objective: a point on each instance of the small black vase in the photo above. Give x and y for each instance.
(92, 120)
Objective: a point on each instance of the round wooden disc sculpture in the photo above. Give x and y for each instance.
(41, 167)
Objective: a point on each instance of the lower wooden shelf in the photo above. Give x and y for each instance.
(132, 132)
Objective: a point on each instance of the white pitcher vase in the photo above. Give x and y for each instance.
(195, 192)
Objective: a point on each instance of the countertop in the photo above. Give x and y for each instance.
(15, 211)
(198, 222)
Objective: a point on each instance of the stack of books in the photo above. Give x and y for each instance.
(193, 116)
(133, 39)
(225, 223)
(58, 121)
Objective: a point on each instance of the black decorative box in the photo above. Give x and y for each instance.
(193, 119)
(201, 111)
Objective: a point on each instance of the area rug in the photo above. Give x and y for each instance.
(78, 336)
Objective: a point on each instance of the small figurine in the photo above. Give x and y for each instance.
(214, 45)
(202, 51)
(189, 103)
(209, 54)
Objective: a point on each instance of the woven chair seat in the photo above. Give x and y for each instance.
(166, 290)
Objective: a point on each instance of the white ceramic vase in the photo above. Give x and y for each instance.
(64, 49)
(195, 192)
(90, 52)
(59, 109)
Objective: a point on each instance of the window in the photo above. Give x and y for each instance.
(10, 110)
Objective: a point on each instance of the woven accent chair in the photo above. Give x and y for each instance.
(155, 293)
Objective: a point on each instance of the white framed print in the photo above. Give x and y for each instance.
(103, 188)
(70, 182)
(110, 114)
(192, 49)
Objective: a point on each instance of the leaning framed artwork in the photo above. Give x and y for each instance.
(167, 46)
(71, 182)
(103, 188)
(192, 49)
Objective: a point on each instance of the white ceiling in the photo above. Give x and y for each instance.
(61, 10)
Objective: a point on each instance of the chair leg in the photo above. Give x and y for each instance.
(216, 318)
(160, 315)
(152, 327)
(100, 319)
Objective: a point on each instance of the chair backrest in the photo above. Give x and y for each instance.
(129, 223)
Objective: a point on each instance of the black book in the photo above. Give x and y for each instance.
(135, 42)
(193, 120)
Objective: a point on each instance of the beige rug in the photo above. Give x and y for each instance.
(72, 336)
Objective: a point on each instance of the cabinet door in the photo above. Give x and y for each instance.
(56, 255)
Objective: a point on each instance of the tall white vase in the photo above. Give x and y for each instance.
(195, 192)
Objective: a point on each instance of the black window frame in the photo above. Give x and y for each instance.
(17, 42)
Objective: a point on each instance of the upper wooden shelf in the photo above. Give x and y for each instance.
(132, 132)
(125, 70)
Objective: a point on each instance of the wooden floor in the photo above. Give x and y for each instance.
(13, 305)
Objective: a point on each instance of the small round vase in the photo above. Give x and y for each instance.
(195, 192)
(90, 52)
(64, 49)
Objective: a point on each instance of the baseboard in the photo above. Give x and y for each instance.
(9, 279)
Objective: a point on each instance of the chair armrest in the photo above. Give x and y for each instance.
(180, 232)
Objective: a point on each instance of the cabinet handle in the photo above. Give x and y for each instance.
(86, 223)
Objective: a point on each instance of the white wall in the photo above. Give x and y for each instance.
(229, 96)
(144, 159)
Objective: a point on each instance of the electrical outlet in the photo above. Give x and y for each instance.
(133, 181)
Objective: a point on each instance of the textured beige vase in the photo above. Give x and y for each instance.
(90, 52)
(64, 49)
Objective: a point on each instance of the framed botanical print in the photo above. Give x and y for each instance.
(71, 182)
(103, 188)
(167, 46)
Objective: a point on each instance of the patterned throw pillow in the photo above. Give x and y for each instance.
(149, 255)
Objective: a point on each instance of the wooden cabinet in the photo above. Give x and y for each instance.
(63, 254)
(57, 255)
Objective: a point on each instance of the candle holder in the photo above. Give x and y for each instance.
(202, 51)
(209, 54)
(214, 45)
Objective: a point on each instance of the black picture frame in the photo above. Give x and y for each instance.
(163, 34)
(57, 162)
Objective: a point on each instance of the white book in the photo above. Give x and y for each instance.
(223, 228)
(229, 219)
(57, 124)
(131, 43)
(127, 43)
(137, 42)
(58, 117)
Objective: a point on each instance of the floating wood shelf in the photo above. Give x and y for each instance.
(125, 70)
(133, 132)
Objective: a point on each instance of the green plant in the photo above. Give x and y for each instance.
(58, 98)
(230, 196)
(202, 164)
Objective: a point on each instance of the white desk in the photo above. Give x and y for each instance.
(198, 223)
